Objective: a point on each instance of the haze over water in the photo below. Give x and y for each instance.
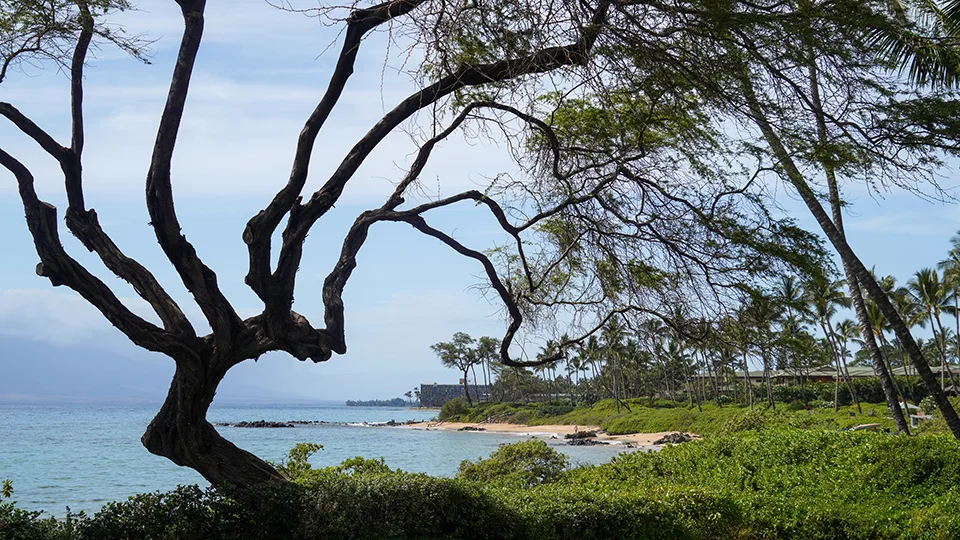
(84, 456)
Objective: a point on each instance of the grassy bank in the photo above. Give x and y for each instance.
(764, 484)
(665, 416)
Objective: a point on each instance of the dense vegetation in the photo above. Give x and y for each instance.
(789, 334)
(753, 483)
(395, 402)
(711, 420)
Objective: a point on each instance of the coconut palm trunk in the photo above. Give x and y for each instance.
(853, 285)
(942, 346)
(714, 376)
(836, 363)
(903, 397)
(476, 391)
(842, 365)
(854, 265)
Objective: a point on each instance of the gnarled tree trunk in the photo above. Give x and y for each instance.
(180, 432)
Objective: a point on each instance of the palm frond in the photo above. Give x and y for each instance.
(922, 40)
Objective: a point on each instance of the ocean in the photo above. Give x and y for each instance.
(83, 456)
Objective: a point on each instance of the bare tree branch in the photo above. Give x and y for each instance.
(32, 130)
(84, 225)
(76, 83)
(198, 278)
(259, 229)
(303, 217)
(61, 269)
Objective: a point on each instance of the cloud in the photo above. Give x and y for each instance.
(238, 138)
(51, 317)
(249, 24)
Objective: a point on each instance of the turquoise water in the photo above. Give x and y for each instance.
(83, 456)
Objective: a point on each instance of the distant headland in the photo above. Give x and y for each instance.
(395, 402)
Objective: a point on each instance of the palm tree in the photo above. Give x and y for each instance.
(613, 334)
(927, 59)
(677, 358)
(591, 353)
(879, 324)
(845, 331)
(652, 332)
(736, 331)
(488, 351)
(856, 272)
(921, 40)
(934, 298)
(825, 297)
(760, 314)
(789, 295)
(951, 279)
(911, 313)
(547, 369)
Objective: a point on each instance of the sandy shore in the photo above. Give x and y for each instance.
(637, 439)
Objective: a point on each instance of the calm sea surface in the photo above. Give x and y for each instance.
(83, 456)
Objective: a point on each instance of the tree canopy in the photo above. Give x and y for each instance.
(646, 136)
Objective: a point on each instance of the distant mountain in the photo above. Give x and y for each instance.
(37, 371)
(40, 371)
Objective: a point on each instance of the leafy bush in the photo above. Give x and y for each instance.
(522, 417)
(361, 465)
(555, 408)
(17, 524)
(795, 393)
(761, 483)
(452, 409)
(523, 464)
(298, 460)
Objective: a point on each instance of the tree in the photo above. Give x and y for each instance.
(825, 297)
(790, 296)
(925, 46)
(458, 353)
(855, 81)
(487, 352)
(951, 279)
(934, 297)
(630, 201)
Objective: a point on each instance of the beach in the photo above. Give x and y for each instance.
(547, 431)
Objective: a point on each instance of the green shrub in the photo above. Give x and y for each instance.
(17, 524)
(361, 465)
(523, 464)
(452, 409)
(298, 460)
(795, 393)
(270, 512)
(555, 408)
(522, 417)
(761, 483)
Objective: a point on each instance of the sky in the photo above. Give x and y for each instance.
(259, 74)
